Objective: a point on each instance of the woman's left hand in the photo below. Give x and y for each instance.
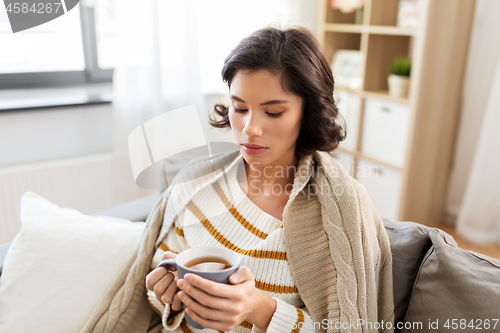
(223, 307)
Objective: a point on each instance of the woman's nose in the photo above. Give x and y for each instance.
(252, 126)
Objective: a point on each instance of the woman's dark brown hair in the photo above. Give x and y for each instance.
(297, 57)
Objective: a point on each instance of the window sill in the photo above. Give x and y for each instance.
(17, 99)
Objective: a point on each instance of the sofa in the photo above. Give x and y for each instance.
(438, 287)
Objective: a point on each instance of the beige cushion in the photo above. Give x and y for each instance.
(454, 283)
(60, 265)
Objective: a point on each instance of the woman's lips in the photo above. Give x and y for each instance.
(254, 151)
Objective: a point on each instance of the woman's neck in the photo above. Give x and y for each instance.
(275, 179)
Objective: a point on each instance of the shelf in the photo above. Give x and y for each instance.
(332, 15)
(374, 94)
(358, 154)
(381, 52)
(389, 30)
(385, 95)
(437, 47)
(383, 12)
(337, 40)
(348, 28)
(370, 29)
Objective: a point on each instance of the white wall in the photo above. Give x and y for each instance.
(77, 136)
(53, 133)
(64, 154)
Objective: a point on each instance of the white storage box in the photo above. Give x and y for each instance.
(385, 131)
(383, 185)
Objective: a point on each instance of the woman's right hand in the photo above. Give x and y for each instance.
(163, 282)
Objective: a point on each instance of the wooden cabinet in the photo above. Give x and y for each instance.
(400, 149)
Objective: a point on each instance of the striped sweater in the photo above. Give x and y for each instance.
(337, 251)
(222, 215)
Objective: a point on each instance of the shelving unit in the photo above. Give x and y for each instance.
(400, 149)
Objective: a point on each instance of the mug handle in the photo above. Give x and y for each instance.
(168, 262)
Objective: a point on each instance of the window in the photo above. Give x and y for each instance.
(73, 49)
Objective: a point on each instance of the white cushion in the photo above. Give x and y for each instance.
(60, 265)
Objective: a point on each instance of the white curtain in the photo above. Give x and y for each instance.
(171, 54)
(474, 192)
(137, 81)
(479, 218)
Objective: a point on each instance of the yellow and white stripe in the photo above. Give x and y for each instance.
(222, 215)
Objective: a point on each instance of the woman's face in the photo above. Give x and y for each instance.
(263, 115)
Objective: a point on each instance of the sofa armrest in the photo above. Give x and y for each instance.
(135, 210)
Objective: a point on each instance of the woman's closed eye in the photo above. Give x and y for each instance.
(239, 110)
(270, 114)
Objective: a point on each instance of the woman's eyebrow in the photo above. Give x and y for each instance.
(274, 101)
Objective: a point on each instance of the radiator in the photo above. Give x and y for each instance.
(89, 184)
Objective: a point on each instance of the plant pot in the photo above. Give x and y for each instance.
(398, 85)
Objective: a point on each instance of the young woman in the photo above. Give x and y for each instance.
(315, 256)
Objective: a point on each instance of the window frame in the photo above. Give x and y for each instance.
(91, 74)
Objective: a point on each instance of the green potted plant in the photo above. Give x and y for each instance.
(399, 77)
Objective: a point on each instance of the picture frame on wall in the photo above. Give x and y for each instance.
(347, 68)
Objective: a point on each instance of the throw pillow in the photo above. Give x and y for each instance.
(455, 290)
(60, 265)
(409, 243)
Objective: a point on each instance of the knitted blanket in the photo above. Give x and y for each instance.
(347, 250)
